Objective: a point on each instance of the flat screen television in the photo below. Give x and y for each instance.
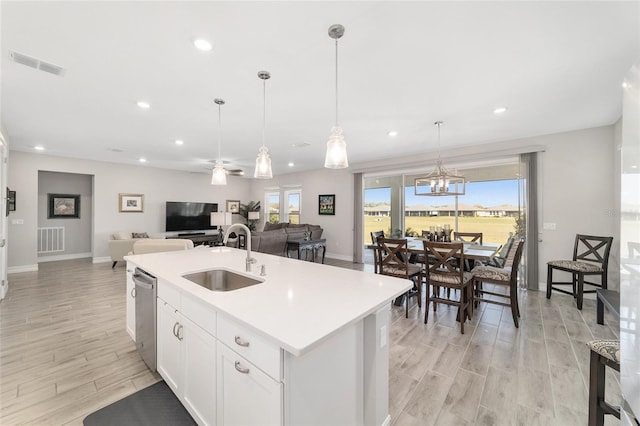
(185, 216)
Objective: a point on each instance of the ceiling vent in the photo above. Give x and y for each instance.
(36, 63)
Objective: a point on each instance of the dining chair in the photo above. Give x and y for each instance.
(506, 276)
(468, 237)
(393, 260)
(500, 258)
(375, 235)
(444, 272)
(590, 257)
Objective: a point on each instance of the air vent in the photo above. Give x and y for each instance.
(36, 63)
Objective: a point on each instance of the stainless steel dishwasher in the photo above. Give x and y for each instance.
(145, 294)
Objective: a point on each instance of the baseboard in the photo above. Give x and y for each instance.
(63, 257)
(102, 259)
(339, 257)
(23, 268)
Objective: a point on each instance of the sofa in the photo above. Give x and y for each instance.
(273, 238)
(122, 243)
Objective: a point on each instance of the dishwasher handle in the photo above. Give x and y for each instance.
(144, 280)
(143, 284)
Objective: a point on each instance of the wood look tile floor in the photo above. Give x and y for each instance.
(64, 353)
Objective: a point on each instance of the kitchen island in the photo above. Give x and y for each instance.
(307, 345)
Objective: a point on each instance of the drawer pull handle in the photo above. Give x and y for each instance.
(179, 334)
(241, 342)
(241, 369)
(133, 292)
(175, 333)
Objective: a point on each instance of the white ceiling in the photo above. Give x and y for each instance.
(556, 66)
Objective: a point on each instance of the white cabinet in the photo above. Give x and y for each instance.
(186, 360)
(131, 304)
(170, 331)
(246, 395)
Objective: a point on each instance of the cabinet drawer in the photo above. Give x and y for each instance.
(199, 312)
(255, 348)
(169, 293)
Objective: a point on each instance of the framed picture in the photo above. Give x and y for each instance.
(327, 204)
(130, 203)
(233, 206)
(11, 201)
(64, 206)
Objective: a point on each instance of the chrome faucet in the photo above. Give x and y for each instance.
(250, 259)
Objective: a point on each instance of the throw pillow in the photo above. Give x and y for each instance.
(121, 236)
(139, 235)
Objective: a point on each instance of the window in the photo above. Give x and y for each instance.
(292, 199)
(377, 212)
(272, 205)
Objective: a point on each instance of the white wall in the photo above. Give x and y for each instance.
(110, 179)
(338, 229)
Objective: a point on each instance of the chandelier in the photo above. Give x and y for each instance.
(440, 182)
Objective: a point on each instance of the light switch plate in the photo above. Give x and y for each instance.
(549, 226)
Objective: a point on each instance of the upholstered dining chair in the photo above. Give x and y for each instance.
(468, 237)
(393, 260)
(590, 257)
(375, 235)
(444, 272)
(506, 276)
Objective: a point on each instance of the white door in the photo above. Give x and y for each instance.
(246, 395)
(4, 284)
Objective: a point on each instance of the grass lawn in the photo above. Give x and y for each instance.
(494, 229)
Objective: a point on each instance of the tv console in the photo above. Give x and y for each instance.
(198, 238)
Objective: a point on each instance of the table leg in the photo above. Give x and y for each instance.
(324, 249)
(599, 311)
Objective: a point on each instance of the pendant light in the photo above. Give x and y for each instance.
(336, 157)
(263, 162)
(218, 174)
(439, 182)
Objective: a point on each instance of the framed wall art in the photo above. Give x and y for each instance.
(11, 201)
(327, 204)
(130, 203)
(233, 206)
(64, 206)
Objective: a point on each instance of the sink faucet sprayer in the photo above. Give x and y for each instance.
(250, 259)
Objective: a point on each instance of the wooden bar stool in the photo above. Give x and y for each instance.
(604, 353)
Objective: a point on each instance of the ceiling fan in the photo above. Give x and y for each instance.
(229, 171)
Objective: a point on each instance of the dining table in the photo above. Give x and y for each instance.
(480, 252)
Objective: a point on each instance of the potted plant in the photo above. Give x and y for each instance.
(252, 219)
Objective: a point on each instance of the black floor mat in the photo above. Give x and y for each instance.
(152, 406)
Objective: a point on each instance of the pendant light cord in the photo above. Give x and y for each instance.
(264, 109)
(337, 83)
(219, 131)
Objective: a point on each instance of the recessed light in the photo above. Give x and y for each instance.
(499, 110)
(290, 164)
(392, 133)
(202, 44)
(300, 144)
(625, 85)
(39, 148)
(634, 167)
(142, 160)
(179, 142)
(143, 105)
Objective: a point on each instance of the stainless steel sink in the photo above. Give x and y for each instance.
(221, 280)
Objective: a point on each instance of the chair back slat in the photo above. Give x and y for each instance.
(592, 249)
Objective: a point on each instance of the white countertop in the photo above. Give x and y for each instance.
(299, 304)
